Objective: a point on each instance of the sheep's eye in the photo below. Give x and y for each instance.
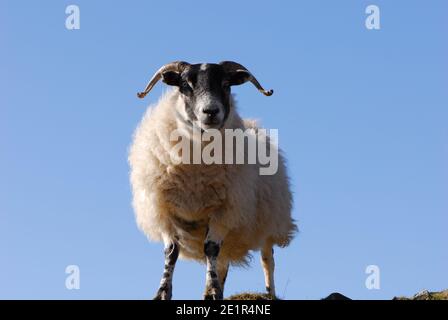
(226, 84)
(192, 79)
(185, 88)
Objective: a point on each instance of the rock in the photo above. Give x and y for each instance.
(422, 295)
(336, 296)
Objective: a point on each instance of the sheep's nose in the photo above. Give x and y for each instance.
(211, 111)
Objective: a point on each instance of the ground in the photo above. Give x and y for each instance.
(427, 295)
(250, 296)
(423, 295)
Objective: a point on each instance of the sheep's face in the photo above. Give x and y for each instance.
(205, 90)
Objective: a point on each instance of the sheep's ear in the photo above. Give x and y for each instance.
(171, 78)
(236, 78)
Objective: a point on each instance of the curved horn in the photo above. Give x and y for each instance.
(230, 66)
(177, 66)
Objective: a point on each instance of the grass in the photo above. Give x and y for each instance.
(423, 295)
(251, 296)
(427, 295)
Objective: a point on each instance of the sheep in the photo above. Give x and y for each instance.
(212, 213)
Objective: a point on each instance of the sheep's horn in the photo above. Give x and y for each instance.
(230, 66)
(177, 66)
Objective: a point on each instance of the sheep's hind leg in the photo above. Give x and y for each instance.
(166, 287)
(212, 245)
(223, 269)
(267, 261)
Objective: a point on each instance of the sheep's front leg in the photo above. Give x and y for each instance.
(212, 246)
(166, 287)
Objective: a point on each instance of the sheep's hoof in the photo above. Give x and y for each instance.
(213, 294)
(271, 296)
(163, 293)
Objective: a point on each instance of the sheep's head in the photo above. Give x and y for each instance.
(205, 89)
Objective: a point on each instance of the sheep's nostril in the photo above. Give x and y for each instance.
(211, 112)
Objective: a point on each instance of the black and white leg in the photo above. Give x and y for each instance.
(166, 287)
(212, 246)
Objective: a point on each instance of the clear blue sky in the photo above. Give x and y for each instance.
(362, 118)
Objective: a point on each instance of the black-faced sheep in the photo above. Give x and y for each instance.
(216, 212)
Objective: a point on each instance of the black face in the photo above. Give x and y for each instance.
(205, 89)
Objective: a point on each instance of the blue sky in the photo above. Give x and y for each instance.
(362, 118)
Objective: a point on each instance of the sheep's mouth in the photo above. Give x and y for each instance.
(211, 124)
